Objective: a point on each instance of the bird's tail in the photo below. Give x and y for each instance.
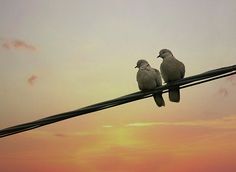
(159, 99)
(174, 94)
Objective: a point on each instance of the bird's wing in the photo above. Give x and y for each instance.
(158, 77)
(139, 78)
(163, 72)
(182, 69)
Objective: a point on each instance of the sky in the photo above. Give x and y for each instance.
(58, 56)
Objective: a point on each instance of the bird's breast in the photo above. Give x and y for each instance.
(146, 80)
(170, 71)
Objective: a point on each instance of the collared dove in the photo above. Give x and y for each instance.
(149, 78)
(171, 70)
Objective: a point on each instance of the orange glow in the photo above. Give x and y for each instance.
(167, 146)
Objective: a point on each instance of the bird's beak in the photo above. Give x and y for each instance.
(135, 66)
(158, 56)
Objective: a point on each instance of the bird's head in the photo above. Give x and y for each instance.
(141, 63)
(164, 53)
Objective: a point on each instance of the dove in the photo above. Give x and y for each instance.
(149, 78)
(171, 70)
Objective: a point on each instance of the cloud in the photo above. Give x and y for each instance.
(227, 122)
(107, 126)
(6, 45)
(149, 124)
(231, 79)
(144, 124)
(223, 92)
(62, 135)
(31, 80)
(21, 44)
(17, 44)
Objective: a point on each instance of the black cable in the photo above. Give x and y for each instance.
(184, 83)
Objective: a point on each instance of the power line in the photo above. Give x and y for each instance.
(183, 83)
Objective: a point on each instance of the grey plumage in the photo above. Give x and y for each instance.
(171, 70)
(149, 78)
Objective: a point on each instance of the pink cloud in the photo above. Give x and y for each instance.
(6, 45)
(60, 135)
(18, 44)
(24, 45)
(231, 79)
(31, 80)
(223, 92)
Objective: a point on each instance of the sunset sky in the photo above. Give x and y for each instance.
(58, 56)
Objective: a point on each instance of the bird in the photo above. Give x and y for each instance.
(149, 78)
(171, 70)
